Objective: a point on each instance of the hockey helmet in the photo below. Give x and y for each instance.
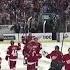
(11, 42)
(68, 49)
(57, 47)
(35, 38)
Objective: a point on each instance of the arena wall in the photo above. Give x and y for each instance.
(41, 36)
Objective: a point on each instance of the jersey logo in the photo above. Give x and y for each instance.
(53, 57)
(34, 46)
(68, 61)
(33, 53)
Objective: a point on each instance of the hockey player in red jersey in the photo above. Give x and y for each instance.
(12, 55)
(31, 59)
(32, 55)
(56, 57)
(27, 39)
(66, 60)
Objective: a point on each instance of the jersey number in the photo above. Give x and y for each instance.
(14, 52)
(33, 53)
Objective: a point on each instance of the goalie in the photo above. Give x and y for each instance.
(56, 57)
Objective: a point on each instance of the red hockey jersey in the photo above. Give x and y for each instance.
(66, 59)
(55, 55)
(31, 49)
(12, 52)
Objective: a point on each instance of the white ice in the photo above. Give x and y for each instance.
(44, 63)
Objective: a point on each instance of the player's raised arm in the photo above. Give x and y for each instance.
(19, 46)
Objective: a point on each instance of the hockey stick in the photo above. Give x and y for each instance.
(62, 42)
(18, 36)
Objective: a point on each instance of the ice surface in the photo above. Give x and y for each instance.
(44, 63)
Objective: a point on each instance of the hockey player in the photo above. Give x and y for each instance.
(12, 55)
(27, 39)
(56, 57)
(31, 58)
(66, 60)
(32, 55)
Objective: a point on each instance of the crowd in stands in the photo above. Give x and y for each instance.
(18, 11)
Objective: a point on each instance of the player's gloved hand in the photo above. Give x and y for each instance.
(39, 55)
(6, 58)
(44, 53)
(19, 44)
(24, 42)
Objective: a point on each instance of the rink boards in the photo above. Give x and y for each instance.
(43, 37)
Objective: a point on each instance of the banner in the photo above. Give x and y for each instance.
(9, 37)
